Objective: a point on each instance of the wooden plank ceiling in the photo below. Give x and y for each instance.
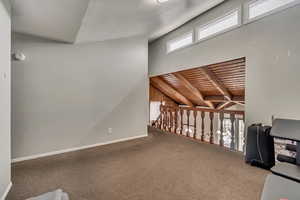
(215, 86)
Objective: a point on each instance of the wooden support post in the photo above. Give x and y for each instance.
(237, 134)
(165, 119)
(176, 121)
(232, 119)
(188, 123)
(161, 117)
(244, 134)
(202, 125)
(222, 129)
(171, 121)
(181, 121)
(195, 124)
(211, 138)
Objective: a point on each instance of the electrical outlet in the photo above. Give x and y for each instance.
(109, 130)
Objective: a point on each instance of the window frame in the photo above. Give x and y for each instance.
(247, 10)
(182, 36)
(197, 28)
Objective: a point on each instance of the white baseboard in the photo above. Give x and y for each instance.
(74, 149)
(6, 191)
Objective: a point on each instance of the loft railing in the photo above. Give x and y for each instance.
(221, 127)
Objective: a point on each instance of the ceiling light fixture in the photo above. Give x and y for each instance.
(162, 1)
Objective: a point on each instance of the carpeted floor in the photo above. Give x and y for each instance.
(159, 167)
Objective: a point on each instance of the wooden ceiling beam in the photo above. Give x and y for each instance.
(224, 105)
(239, 61)
(229, 105)
(218, 98)
(166, 89)
(239, 102)
(192, 89)
(223, 99)
(216, 82)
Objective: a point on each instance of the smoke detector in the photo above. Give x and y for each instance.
(19, 56)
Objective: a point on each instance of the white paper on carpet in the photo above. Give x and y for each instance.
(54, 195)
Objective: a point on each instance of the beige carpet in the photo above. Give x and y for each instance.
(159, 167)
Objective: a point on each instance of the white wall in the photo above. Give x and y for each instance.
(272, 50)
(5, 96)
(67, 96)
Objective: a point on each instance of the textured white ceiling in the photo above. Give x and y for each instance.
(99, 20)
(54, 19)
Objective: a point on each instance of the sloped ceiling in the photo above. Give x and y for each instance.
(98, 20)
(216, 86)
(53, 19)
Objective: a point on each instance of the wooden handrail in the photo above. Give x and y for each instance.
(238, 112)
(185, 121)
